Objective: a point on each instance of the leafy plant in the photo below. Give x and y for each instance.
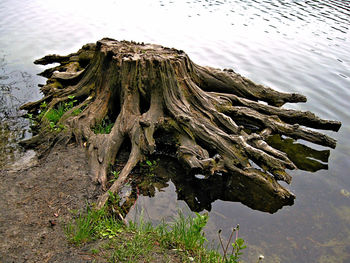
(151, 164)
(77, 111)
(115, 176)
(53, 115)
(113, 199)
(188, 231)
(43, 105)
(104, 127)
(148, 167)
(237, 246)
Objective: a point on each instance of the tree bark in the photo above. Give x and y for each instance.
(215, 118)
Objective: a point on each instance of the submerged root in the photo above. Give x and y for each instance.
(209, 113)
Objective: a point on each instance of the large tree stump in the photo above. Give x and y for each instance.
(217, 120)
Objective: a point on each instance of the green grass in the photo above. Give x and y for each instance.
(52, 116)
(182, 240)
(92, 224)
(187, 231)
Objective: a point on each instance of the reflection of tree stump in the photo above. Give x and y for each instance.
(215, 118)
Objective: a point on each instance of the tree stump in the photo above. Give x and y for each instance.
(216, 121)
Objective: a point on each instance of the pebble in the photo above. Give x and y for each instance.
(345, 192)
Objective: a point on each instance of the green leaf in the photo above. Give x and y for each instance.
(43, 105)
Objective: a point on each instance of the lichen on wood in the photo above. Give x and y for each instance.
(218, 121)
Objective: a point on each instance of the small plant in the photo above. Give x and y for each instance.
(30, 117)
(115, 176)
(148, 167)
(53, 115)
(113, 199)
(151, 164)
(94, 251)
(237, 246)
(85, 226)
(104, 127)
(70, 103)
(76, 112)
(91, 225)
(189, 231)
(43, 105)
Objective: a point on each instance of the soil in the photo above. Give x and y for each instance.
(37, 200)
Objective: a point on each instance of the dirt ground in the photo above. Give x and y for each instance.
(36, 199)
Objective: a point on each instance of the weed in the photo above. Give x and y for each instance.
(113, 198)
(53, 115)
(70, 103)
(91, 225)
(187, 231)
(115, 176)
(237, 246)
(141, 240)
(85, 226)
(104, 127)
(139, 246)
(148, 166)
(43, 105)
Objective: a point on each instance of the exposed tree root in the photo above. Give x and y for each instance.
(216, 119)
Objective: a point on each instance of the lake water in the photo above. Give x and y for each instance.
(290, 45)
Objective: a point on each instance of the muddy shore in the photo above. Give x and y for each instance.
(37, 200)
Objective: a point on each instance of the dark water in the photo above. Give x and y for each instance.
(294, 46)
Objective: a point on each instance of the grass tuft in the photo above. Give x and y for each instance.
(182, 240)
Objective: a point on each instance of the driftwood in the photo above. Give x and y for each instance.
(216, 121)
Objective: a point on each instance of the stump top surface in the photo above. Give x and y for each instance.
(129, 50)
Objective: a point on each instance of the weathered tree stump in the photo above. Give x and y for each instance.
(217, 120)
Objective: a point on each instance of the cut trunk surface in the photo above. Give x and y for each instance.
(217, 121)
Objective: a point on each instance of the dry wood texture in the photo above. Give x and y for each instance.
(217, 120)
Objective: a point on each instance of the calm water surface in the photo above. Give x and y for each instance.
(290, 45)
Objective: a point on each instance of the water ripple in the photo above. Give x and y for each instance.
(291, 45)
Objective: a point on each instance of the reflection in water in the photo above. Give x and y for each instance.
(12, 128)
(304, 157)
(200, 191)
